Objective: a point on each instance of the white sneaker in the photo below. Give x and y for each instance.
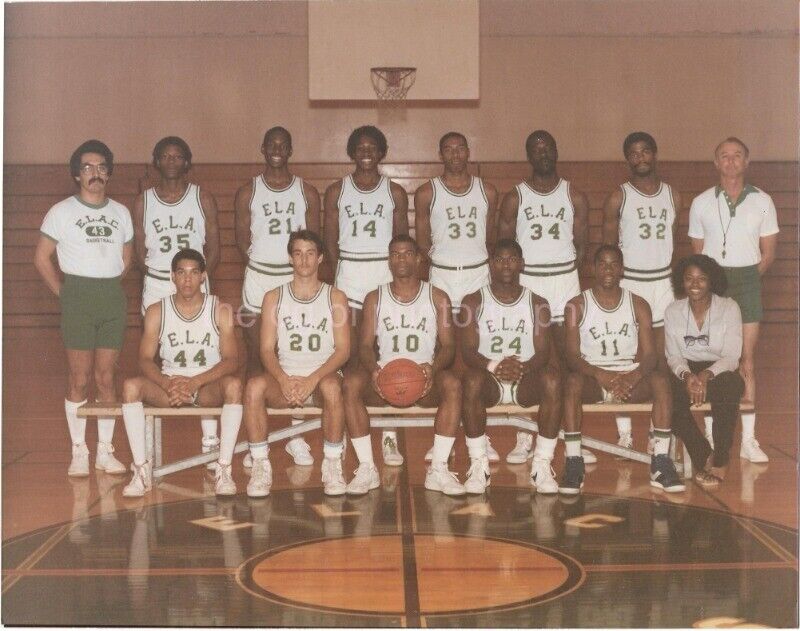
(79, 467)
(247, 461)
(710, 439)
(208, 444)
(439, 478)
(140, 483)
(751, 450)
(625, 441)
(543, 478)
(522, 451)
(332, 477)
(260, 478)
(588, 456)
(106, 461)
(491, 452)
(478, 476)
(366, 478)
(225, 484)
(300, 452)
(391, 454)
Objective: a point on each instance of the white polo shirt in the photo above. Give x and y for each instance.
(731, 235)
(90, 238)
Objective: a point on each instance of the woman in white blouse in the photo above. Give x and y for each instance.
(703, 332)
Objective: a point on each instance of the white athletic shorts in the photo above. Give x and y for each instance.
(357, 278)
(508, 392)
(657, 293)
(558, 290)
(154, 289)
(257, 283)
(459, 283)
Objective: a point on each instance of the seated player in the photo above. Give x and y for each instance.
(195, 339)
(607, 328)
(305, 340)
(408, 318)
(506, 348)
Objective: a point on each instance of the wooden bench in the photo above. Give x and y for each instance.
(497, 416)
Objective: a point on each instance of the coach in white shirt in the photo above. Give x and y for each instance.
(92, 238)
(736, 224)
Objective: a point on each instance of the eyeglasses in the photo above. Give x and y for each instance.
(689, 340)
(87, 168)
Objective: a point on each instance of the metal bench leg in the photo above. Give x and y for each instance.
(149, 434)
(158, 457)
(687, 463)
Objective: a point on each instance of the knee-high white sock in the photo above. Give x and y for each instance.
(441, 448)
(230, 420)
(545, 448)
(105, 429)
(133, 415)
(363, 448)
(624, 425)
(77, 426)
(748, 425)
(209, 427)
(709, 423)
(661, 438)
(476, 447)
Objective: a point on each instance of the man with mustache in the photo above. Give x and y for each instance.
(92, 238)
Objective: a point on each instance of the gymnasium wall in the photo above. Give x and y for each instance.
(218, 73)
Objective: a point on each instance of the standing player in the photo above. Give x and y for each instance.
(194, 336)
(736, 224)
(407, 318)
(606, 327)
(167, 218)
(506, 350)
(92, 237)
(454, 223)
(642, 217)
(305, 329)
(268, 209)
(363, 212)
(548, 218)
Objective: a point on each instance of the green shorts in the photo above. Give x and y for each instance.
(744, 286)
(93, 313)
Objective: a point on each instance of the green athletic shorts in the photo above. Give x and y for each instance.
(744, 286)
(93, 313)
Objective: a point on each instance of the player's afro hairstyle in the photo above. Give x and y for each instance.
(90, 146)
(639, 136)
(369, 131)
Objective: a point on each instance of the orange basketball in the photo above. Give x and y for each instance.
(402, 382)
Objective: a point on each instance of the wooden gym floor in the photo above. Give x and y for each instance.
(75, 552)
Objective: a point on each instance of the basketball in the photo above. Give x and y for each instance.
(402, 382)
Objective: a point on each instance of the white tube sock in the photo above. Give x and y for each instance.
(209, 427)
(105, 429)
(441, 448)
(363, 448)
(133, 415)
(230, 421)
(77, 426)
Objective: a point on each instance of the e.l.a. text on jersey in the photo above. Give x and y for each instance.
(532, 213)
(274, 208)
(292, 322)
(362, 210)
(176, 339)
(456, 212)
(405, 321)
(172, 224)
(507, 324)
(649, 213)
(606, 330)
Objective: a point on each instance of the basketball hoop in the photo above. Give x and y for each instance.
(391, 83)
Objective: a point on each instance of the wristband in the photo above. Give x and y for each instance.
(492, 365)
(684, 373)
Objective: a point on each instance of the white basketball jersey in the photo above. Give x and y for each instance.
(645, 232)
(458, 224)
(406, 329)
(274, 215)
(365, 219)
(189, 346)
(609, 338)
(544, 229)
(305, 331)
(169, 228)
(504, 329)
